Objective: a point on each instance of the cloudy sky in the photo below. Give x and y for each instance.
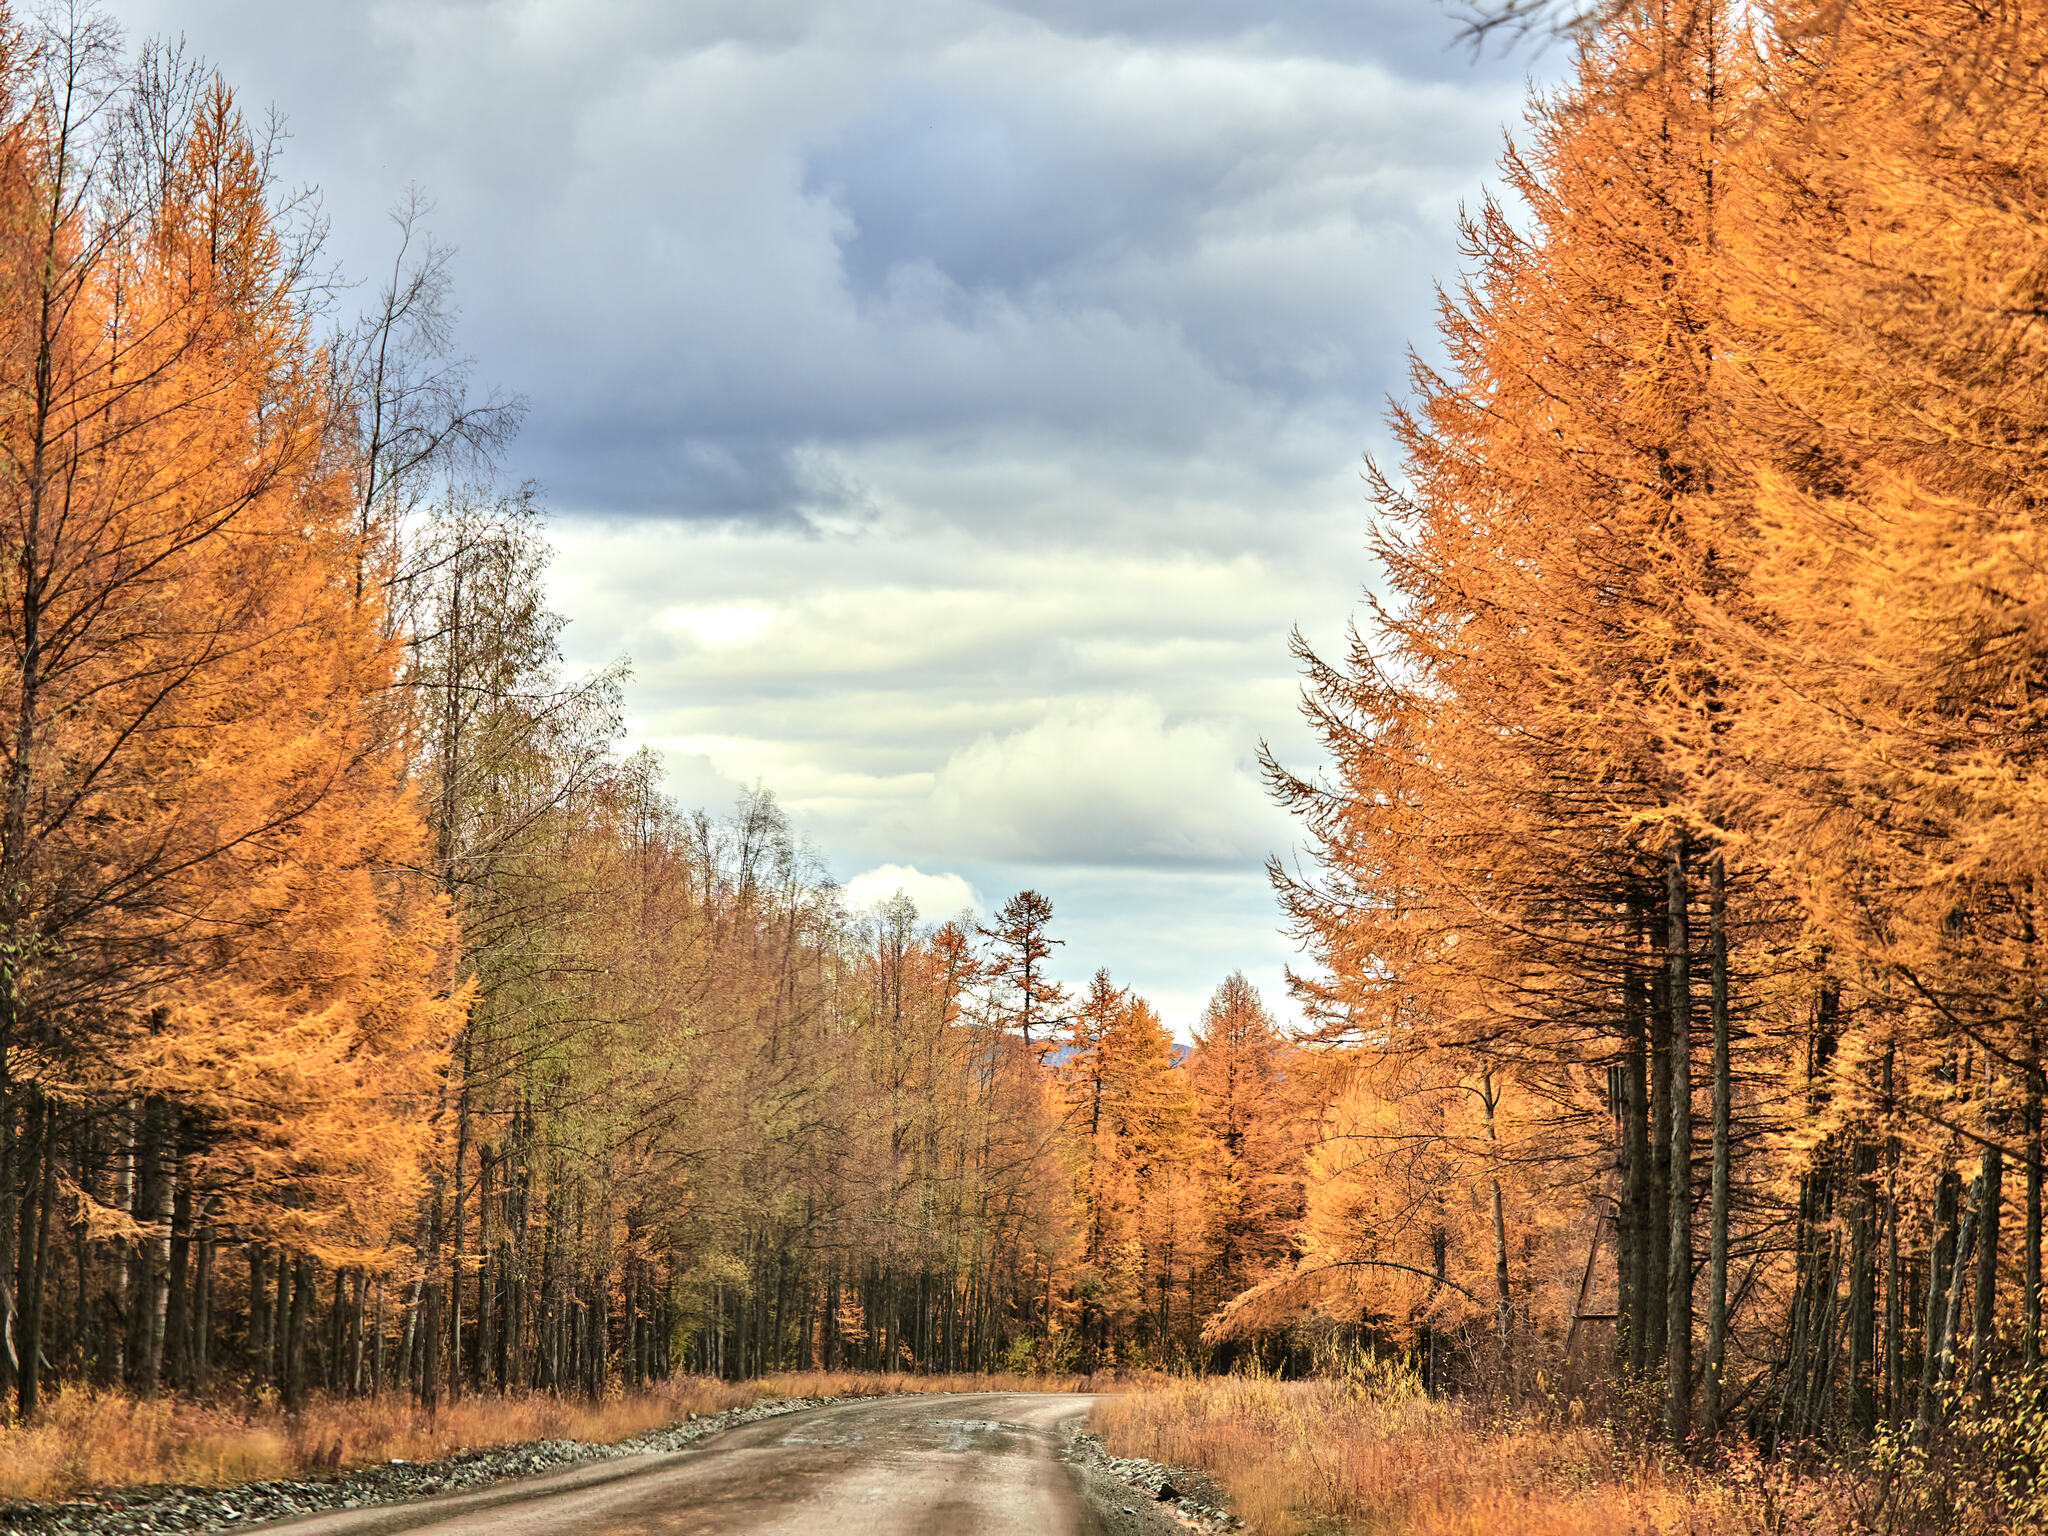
(948, 405)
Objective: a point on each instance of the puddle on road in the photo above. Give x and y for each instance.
(822, 1434)
(924, 1435)
(961, 1434)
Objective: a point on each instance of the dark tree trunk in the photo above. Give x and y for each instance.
(1991, 1176)
(356, 1286)
(202, 1314)
(430, 1347)
(486, 1300)
(1941, 1259)
(1863, 1290)
(11, 1148)
(1678, 1300)
(2031, 1274)
(458, 1224)
(36, 1295)
(257, 1344)
(305, 1283)
(154, 1178)
(429, 1376)
(1952, 1322)
(178, 1306)
(1658, 1270)
(1717, 1242)
(23, 1227)
(1635, 1245)
(1895, 1278)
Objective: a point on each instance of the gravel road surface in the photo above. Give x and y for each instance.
(981, 1464)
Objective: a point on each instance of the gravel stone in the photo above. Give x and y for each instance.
(1191, 1495)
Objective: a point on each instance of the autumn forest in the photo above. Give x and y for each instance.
(371, 1023)
(1672, 1012)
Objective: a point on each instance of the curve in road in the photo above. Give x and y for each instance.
(981, 1464)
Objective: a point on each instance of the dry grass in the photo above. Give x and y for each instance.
(85, 1440)
(90, 1440)
(1369, 1455)
(1339, 1456)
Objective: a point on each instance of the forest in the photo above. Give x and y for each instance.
(1679, 854)
(372, 1022)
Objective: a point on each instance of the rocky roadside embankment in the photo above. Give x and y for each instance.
(165, 1508)
(1189, 1500)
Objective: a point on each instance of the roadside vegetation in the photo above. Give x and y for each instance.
(1385, 1459)
(86, 1440)
(1374, 1455)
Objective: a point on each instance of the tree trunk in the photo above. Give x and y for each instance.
(1952, 1322)
(1991, 1179)
(458, 1223)
(1503, 1301)
(34, 1297)
(408, 1339)
(1941, 1256)
(258, 1342)
(1863, 1289)
(2032, 1272)
(1658, 1270)
(429, 1377)
(430, 1346)
(1717, 1251)
(296, 1320)
(281, 1316)
(1678, 1298)
(22, 1229)
(202, 1321)
(10, 1176)
(178, 1307)
(486, 1301)
(358, 1283)
(153, 1208)
(1895, 1279)
(84, 1318)
(1633, 1252)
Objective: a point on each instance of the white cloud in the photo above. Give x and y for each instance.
(720, 625)
(951, 404)
(936, 897)
(921, 695)
(1103, 781)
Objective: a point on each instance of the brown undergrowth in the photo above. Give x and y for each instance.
(1346, 1457)
(1367, 1454)
(1375, 1459)
(86, 1440)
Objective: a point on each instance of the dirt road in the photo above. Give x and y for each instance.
(982, 1464)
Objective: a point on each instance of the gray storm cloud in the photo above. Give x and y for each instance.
(949, 405)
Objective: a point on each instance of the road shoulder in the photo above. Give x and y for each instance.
(481, 1477)
(1132, 1497)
